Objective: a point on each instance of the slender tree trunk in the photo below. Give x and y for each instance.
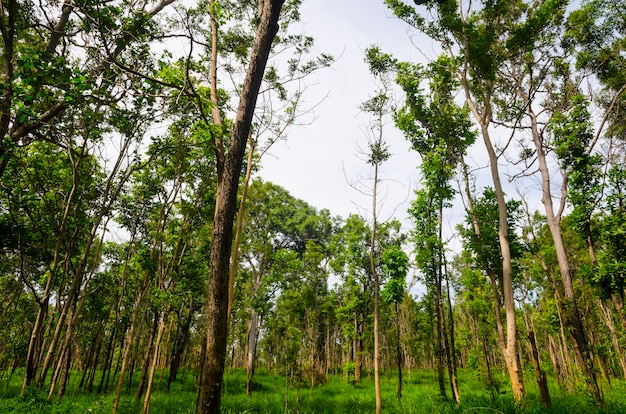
(90, 361)
(512, 360)
(153, 363)
(540, 375)
(129, 342)
(493, 386)
(515, 372)
(253, 328)
(564, 346)
(439, 350)
(357, 355)
(556, 362)
(572, 315)
(181, 343)
(92, 373)
(375, 276)
(398, 353)
(226, 200)
(454, 380)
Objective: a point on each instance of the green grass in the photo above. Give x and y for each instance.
(420, 395)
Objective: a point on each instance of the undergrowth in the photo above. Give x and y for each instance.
(274, 394)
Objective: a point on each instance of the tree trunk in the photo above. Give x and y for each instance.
(129, 342)
(398, 353)
(556, 362)
(145, 366)
(451, 351)
(225, 203)
(510, 354)
(376, 278)
(253, 329)
(357, 355)
(181, 343)
(153, 364)
(540, 375)
(572, 315)
(90, 361)
(439, 351)
(92, 374)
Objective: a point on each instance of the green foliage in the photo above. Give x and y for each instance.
(395, 268)
(572, 138)
(485, 247)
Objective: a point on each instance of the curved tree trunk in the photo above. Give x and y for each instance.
(573, 320)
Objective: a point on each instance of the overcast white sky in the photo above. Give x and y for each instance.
(318, 161)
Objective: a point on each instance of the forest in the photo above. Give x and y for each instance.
(146, 266)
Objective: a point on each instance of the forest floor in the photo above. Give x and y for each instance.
(271, 395)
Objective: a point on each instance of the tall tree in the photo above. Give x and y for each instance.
(440, 131)
(379, 108)
(225, 206)
(483, 38)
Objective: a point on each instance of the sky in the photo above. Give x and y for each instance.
(321, 162)
(318, 162)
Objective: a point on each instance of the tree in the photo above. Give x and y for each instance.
(440, 132)
(275, 222)
(42, 81)
(226, 199)
(351, 263)
(378, 106)
(395, 267)
(482, 39)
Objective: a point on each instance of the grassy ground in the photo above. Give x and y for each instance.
(271, 396)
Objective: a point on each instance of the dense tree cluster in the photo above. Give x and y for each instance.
(135, 240)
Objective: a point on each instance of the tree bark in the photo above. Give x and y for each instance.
(251, 342)
(225, 204)
(398, 353)
(510, 354)
(153, 364)
(573, 319)
(181, 343)
(376, 278)
(540, 375)
(240, 217)
(451, 350)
